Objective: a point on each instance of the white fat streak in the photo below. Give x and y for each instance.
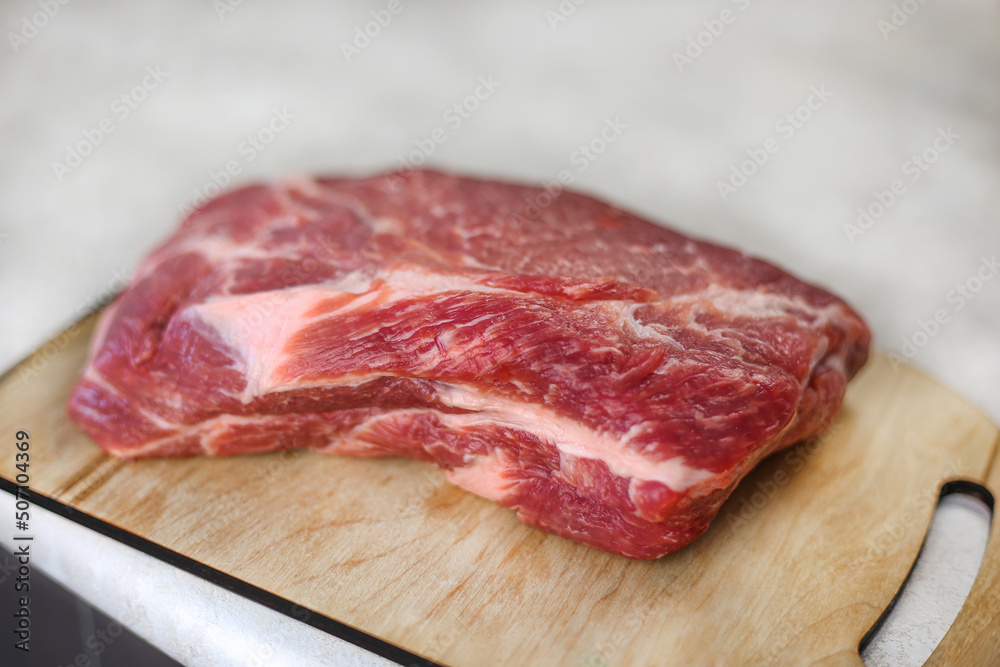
(213, 432)
(310, 187)
(739, 303)
(92, 375)
(750, 303)
(387, 225)
(355, 282)
(101, 330)
(218, 250)
(624, 312)
(761, 305)
(257, 327)
(484, 475)
(758, 304)
(209, 432)
(568, 436)
(408, 282)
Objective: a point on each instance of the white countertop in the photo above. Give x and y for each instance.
(161, 96)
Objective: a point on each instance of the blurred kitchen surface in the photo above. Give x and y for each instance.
(855, 143)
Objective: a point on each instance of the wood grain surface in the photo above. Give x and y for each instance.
(799, 564)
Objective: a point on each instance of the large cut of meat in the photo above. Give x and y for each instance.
(609, 379)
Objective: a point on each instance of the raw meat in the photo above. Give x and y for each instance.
(609, 379)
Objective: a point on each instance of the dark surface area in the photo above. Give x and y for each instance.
(64, 629)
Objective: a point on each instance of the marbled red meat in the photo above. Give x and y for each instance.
(608, 378)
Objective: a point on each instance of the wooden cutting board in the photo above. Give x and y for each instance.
(798, 566)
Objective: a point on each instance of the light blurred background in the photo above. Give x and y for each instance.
(693, 85)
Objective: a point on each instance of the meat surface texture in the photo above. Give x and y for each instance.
(609, 379)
